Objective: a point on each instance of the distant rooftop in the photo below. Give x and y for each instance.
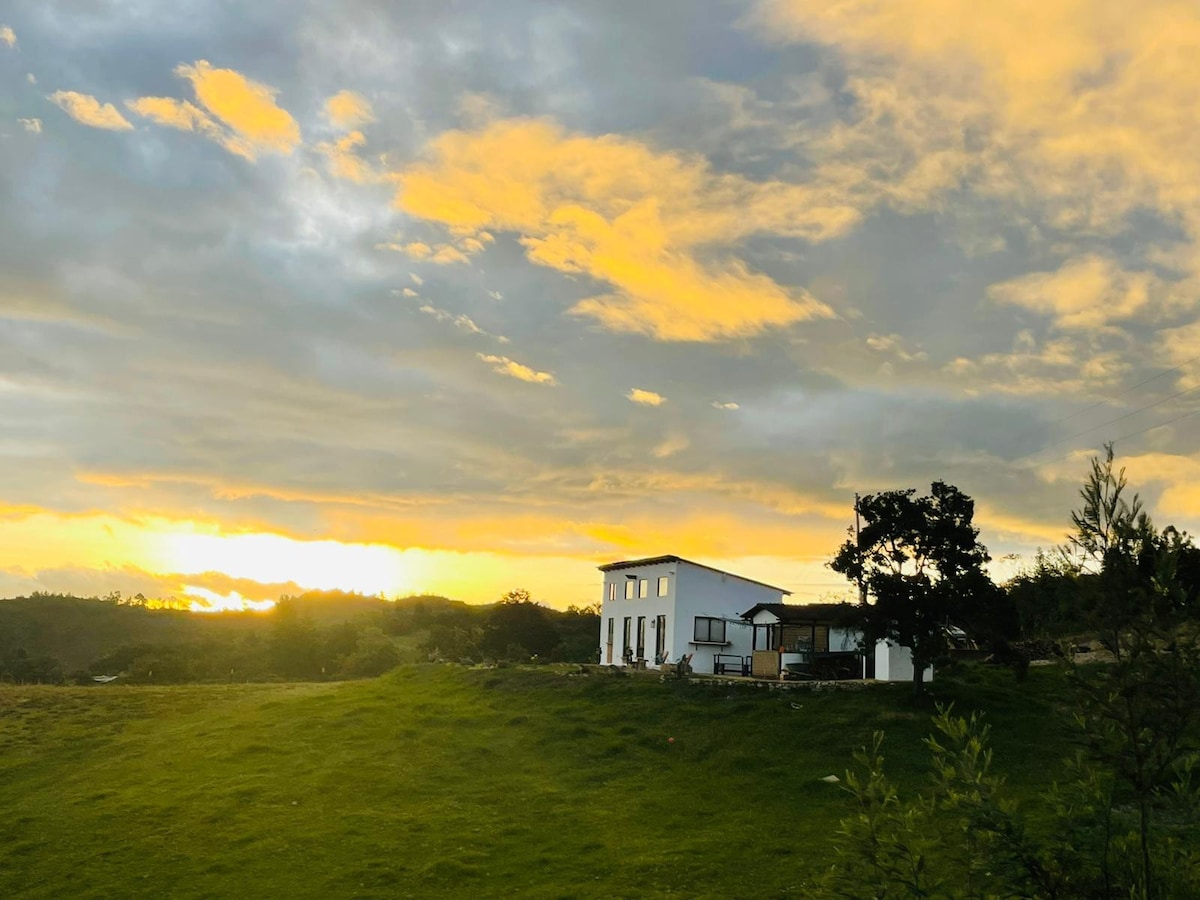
(658, 560)
(792, 613)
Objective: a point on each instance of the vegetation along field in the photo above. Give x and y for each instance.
(441, 780)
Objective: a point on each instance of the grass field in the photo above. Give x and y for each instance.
(444, 781)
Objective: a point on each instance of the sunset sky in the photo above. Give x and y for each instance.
(461, 296)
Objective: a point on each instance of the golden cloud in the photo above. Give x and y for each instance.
(648, 223)
(226, 490)
(1010, 528)
(894, 345)
(1182, 348)
(597, 535)
(1179, 477)
(1175, 476)
(246, 106)
(344, 161)
(460, 321)
(645, 398)
(670, 445)
(1064, 365)
(348, 109)
(8, 36)
(87, 110)
(505, 366)
(171, 112)
(1085, 294)
(441, 254)
(1081, 111)
(444, 254)
(185, 116)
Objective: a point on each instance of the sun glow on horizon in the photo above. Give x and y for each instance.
(270, 558)
(203, 600)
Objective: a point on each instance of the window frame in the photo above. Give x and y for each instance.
(664, 585)
(708, 630)
(630, 590)
(643, 588)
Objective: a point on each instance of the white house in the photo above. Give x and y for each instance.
(657, 610)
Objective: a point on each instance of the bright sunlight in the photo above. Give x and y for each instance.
(270, 558)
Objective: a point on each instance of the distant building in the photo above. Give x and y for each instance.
(657, 610)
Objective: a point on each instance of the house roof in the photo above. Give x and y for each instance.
(656, 560)
(792, 613)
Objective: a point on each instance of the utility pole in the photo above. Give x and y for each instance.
(868, 666)
(862, 587)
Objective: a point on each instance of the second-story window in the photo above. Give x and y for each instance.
(612, 590)
(630, 585)
(662, 585)
(644, 588)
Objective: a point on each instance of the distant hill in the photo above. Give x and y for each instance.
(77, 630)
(315, 635)
(326, 607)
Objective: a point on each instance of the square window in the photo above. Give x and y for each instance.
(709, 630)
(662, 585)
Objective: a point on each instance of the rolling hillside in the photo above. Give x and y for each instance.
(451, 781)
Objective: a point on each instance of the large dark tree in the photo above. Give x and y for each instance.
(921, 564)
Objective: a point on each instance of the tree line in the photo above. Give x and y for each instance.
(319, 635)
(1124, 821)
(921, 569)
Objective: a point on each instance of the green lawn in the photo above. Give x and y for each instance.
(444, 781)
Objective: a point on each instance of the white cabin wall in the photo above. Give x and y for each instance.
(703, 592)
(651, 607)
(895, 663)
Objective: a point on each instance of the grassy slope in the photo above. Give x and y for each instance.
(439, 781)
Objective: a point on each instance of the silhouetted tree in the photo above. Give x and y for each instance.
(922, 565)
(1138, 713)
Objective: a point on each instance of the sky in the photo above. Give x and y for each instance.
(459, 297)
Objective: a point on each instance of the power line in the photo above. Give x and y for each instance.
(1127, 415)
(1124, 437)
(1105, 401)
(1132, 387)
(1159, 425)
